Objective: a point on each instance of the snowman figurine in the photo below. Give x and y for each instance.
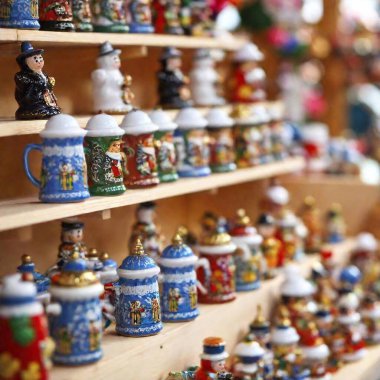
(111, 91)
(205, 80)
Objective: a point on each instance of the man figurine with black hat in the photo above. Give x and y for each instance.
(34, 88)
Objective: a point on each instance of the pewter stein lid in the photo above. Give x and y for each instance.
(62, 126)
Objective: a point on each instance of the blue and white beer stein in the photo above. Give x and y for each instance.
(21, 14)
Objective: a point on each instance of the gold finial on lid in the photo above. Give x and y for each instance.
(92, 253)
(242, 217)
(138, 250)
(177, 239)
(26, 259)
(104, 256)
(284, 316)
(259, 316)
(75, 255)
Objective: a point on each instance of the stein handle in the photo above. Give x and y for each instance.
(204, 263)
(28, 172)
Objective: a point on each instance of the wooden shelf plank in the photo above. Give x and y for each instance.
(28, 211)
(8, 35)
(179, 344)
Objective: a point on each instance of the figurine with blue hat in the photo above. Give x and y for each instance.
(20, 14)
(34, 88)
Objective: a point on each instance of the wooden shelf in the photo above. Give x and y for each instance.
(28, 211)
(179, 344)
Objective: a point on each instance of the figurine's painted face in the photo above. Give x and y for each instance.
(35, 62)
(174, 63)
(219, 365)
(114, 147)
(145, 215)
(73, 236)
(116, 61)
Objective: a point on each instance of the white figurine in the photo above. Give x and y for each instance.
(111, 90)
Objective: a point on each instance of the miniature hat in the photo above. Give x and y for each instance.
(278, 194)
(217, 118)
(103, 125)
(71, 224)
(284, 333)
(137, 122)
(106, 48)
(170, 52)
(265, 220)
(189, 118)
(366, 241)
(15, 293)
(214, 349)
(260, 324)
(62, 126)
(177, 254)
(294, 284)
(162, 120)
(248, 52)
(27, 50)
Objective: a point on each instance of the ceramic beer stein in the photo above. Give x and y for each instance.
(191, 143)
(221, 142)
(109, 16)
(138, 311)
(138, 146)
(164, 145)
(82, 15)
(77, 330)
(102, 146)
(25, 346)
(63, 172)
(56, 15)
(218, 249)
(21, 14)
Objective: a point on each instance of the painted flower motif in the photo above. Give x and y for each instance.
(9, 366)
(33, 372)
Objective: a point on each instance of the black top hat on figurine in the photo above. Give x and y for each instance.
(68, 225)
(265, 220)
(106, 49)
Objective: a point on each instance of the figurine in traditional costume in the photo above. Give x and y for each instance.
(335, 224)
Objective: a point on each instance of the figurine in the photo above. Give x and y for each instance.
(140, 16)
(82, 15)
(25, 345)
(63, 171)
(218, 249)
(310, 216)
(276, 199)
(365, 253)
(248, 81)
(167, 17)
(191, 143)
(286, 234)
(172, 84)
(77, 330)
(248, 256)
(21, 14)
(109, 16)
(205, 80)
(248, 366)
(279, 147)
(164, 146)
(335, 224)
(209, 222)
(34, 88)
(219, 128)
(325, 289)
(108, 84)
(140, 162)
(201, 24)
(56, 15)
(261, 116)
(102, 146)
(370, 314)
(138, 311)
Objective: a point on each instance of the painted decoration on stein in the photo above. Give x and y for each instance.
(221, 142)
(248, 364)
(63, 171)
(25, 346)
(109, 16)
(82, 15)
(21, 14)
(138, 146)
(56, 15)
(102, 147)
(218, 249)
(164, 146)
(335, 224)
(370, 313)
(191, 143)
(111, 91)
(204, 80)
(173, 88)
(138, 311)
(77, 330)
(34, 88)
(140, 16)
(167, 16)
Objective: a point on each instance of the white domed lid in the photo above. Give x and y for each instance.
(301, 229)
(162, 120)
(366, 241)
(315, 133)
(288, 220)
(190, 118)
(103, 125)
(349, 301)
(284, 335)
(217, 118)
(249, 349)
(259, 114)
(278, 194)
(294, 284)
(248, 52)
(137, 122)
(319, 352)
(13, 287)
(62, 126)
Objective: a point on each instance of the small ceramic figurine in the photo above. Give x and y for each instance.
(311, 217)
(172, 84)
(365, 253)
(140, 16)
(277, 130)
(56, 15)
(248, 78)
(201, 23)
(77, 330)
(276, 199)
(248, 256)
(286, 234)
(109, 16)
(34, 88)
(191, 143)
(335, 224)
(82, 15)
(140, 161)
(167, 16)
(370, 314)
(221, 142)
(102, 147)
(248, 355)
(218, 250)
(63, 170)
(25, 346)
(138, 311)
(209, 222)
(21, 14)
(164, 145)
(205, 80)
(108, 84)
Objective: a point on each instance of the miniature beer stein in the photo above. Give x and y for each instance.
(138, 311)
(63, 171)
(248, 355)
(77, 330)
(34, 88)
(138, 147)
(218, 249)
(164, 146)
(25, 345)
(93, 261)
(370, 313)
(109, 16)
(248, 255)
(221, 142)
(191, 143)
(335, 224)
(82, 15)
(56, 15)
(21, 14)
(140, 16)
(102, 146)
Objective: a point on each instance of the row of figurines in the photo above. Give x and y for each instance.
(112, 91)
(191, 17)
